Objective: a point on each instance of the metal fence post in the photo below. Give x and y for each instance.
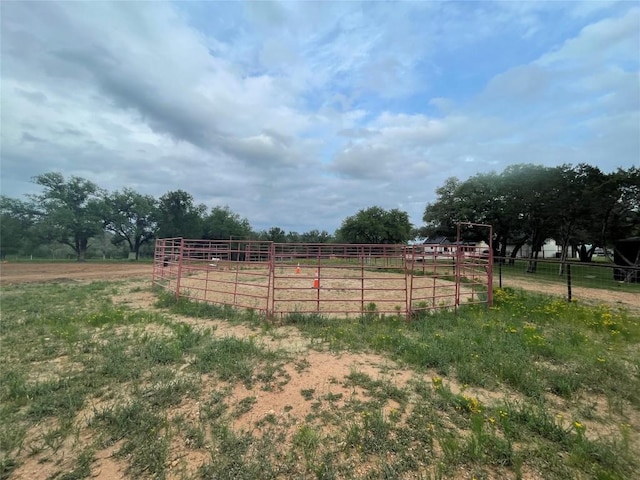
(271, 282)
(180, 255)
(568, 282)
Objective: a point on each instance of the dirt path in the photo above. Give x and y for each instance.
(594, 296)
(27, 272)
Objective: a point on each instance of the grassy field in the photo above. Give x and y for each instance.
(598, 274)
(533, 388)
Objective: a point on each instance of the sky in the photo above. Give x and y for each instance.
(300, 114)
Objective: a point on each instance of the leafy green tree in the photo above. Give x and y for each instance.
(594, 209)
(536, 190)
(178, 216)
(576, 206)
(376, 225)
(224, 224)
(441, 216)
(17, 226)
(484, 198)
(132, 218)
(71, 212)
(315, 236)
(274, 234)
(622, 209)
(293, 237)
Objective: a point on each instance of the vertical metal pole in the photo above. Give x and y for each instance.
(156, 257)
(236, 265)
(408, 275)
(500, 272)
(271, 282)
(362, 260)
(490, 270)
(568, 282)
(457, 266)
(180, 255)
(319, 284)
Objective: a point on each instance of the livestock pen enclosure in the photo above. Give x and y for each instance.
(330, 279)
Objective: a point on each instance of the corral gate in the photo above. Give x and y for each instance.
(279, 279)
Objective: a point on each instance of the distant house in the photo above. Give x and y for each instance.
(436, 245)
(548, 250)
(442, 246)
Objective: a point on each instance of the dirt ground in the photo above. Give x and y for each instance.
(24, 272)
(626, 300)
(323, 372)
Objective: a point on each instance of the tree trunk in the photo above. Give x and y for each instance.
(500, 249)
(532, 265)
(82, 246)
(563, 255)
(515, 251)
(536, 245)
(584, 254)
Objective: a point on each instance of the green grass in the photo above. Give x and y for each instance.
(532, 386)
(595, 274)
(533, 344)
(71, 260)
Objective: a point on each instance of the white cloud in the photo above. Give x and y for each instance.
(299, 114)
(608, 40)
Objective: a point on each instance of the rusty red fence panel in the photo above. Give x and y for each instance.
(329, 279)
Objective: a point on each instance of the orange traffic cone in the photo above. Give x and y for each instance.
(298, 268)
(316, 281)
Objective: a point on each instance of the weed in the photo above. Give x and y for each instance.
(229, 357)
(83, 466)
(144, 432)
(245, 405)
(307, 393)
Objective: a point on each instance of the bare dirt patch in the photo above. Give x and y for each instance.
(26, 272)
(321, 373)
(338, 292)
(323, 376)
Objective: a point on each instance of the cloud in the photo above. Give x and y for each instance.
(298, 114)
(605, 41)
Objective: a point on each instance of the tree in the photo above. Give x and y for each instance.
(536, 190)
(441, 216)
(179, 217)
(577, 206)
(132, 218)
(274, 234)
(596, 209)
(293, 237)
(376, 225)
(71, 212)
(623, 215)
(315, 236)
(17, 226)
(484, 198)
(223, 224)
(578, 202)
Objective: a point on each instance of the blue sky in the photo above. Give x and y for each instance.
(299, 114)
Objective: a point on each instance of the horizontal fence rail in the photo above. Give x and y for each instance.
(330, 279)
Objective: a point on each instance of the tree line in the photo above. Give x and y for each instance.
(77, 213)
(578, 206)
